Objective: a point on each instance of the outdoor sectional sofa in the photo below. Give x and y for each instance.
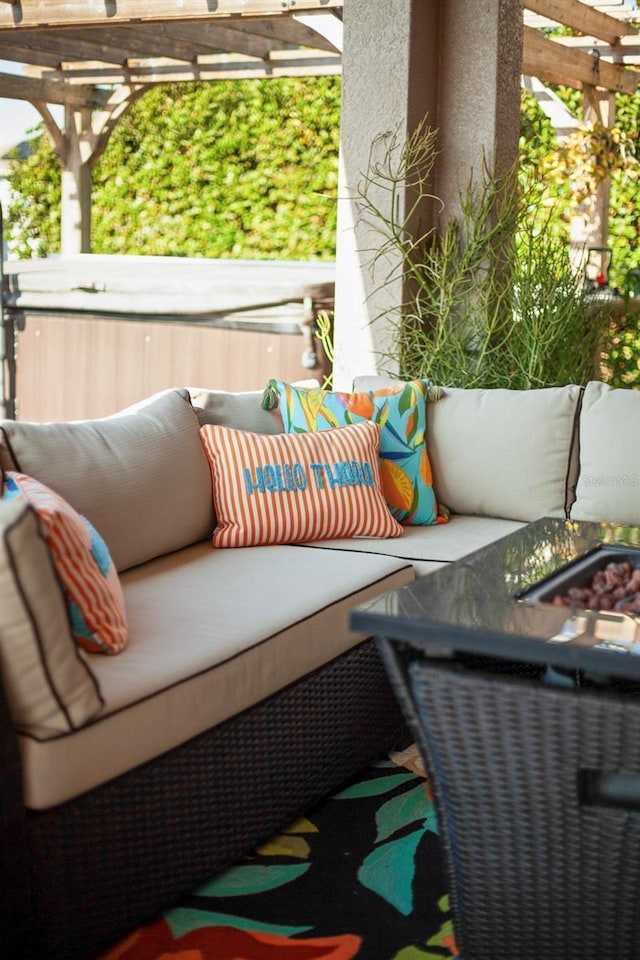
(241, 696)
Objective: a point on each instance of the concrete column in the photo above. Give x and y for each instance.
(479, 99)
(389, 80)
(459, 65)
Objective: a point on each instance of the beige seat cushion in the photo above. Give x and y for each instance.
(428, 548)
(608, 488)
(200, 653)
(502, 453)
(49, 687)
(140, 476)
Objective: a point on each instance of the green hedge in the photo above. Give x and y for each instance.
(249, 169)
(227, 169)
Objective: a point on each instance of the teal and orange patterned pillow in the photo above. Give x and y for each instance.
(83, 564)
(399, 410)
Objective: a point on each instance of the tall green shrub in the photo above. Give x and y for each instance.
(570, 170)
(226, 169)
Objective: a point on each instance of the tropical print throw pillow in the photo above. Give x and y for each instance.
(401, 413)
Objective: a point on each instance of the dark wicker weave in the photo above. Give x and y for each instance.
(119, 855)
(536, 870)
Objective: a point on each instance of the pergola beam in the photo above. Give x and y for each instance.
(223, 66)
(28, 14)
(85, 48)
(580, 17)
(284, 29)
(181, 42)
(212, 37)
(22, 54)
(555, 63)
(128, 42)
(51, 91)
(627, 46)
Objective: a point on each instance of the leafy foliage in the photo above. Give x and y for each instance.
(226, 169)
(571, 171)
(621, 351)
(573, 168)
(33, 221)
(249, 169)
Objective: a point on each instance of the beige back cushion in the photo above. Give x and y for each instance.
(241, 410)
(608, 488)
(501, 453)
(49, 686)
(141, 476)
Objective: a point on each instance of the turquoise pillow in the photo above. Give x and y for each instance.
(400, 411)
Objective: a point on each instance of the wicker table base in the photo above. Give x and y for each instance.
(537, 785)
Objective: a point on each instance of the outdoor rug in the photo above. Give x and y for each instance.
(360, 876)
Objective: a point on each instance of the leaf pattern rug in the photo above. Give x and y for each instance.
(360, 876)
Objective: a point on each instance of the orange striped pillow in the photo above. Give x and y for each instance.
(288, 488)
(83, 565)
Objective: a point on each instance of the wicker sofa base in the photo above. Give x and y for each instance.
(116, 857)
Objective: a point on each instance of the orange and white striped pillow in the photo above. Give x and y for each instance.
(83, 565)
(289, 488)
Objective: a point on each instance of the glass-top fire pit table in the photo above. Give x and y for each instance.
(525, 705)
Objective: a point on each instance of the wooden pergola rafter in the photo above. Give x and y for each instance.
(601, 59)
(150, 41)
(95, 57)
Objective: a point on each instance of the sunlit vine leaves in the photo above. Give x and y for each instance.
(571, 170)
